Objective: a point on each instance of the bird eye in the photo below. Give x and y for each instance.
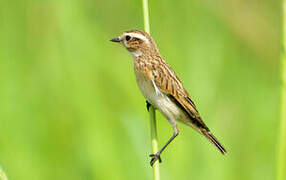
(127, 38)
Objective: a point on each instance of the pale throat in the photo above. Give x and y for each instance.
(136, 53)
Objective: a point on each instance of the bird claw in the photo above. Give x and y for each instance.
(148, 105)
(154, 158)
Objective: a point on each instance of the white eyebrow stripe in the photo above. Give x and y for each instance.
(140, 36)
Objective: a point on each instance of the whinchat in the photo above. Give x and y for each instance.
(162, 88)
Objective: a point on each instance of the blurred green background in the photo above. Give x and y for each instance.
(70, 107)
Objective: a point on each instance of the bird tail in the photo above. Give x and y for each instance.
(213, 140)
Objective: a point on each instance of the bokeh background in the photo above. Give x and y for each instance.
(70, 107)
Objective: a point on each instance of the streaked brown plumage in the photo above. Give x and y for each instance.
(161, 87)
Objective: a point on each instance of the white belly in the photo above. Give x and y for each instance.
(161, 102)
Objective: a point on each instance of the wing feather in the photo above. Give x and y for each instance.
(168, 83)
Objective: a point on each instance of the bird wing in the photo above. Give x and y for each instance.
(168, 83)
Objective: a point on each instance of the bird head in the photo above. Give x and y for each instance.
(137, 42)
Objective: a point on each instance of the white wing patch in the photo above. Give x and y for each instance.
(158, 92)
(140, 36)
(155, 74)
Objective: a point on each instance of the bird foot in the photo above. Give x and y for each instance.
(148, 105)
(155, 157)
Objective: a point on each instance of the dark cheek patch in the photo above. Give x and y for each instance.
(133, 45)
(139, 41)
(131, 49)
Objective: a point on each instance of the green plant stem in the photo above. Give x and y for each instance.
(282, 139)
(146, 16)
(152, 114)
(154, 141)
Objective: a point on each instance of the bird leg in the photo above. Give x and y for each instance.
(148, 105)
(157, 155)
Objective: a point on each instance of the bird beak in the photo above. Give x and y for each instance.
(115, 39)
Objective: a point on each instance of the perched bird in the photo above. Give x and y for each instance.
(162, 88)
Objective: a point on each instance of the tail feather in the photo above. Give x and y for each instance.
(214, 141)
